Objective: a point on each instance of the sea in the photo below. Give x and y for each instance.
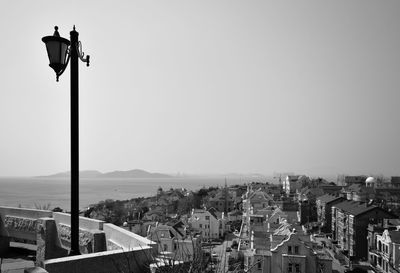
(55, 192)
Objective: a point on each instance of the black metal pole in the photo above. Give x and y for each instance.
(74, 144)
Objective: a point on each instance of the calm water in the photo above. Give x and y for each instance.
(27, 192)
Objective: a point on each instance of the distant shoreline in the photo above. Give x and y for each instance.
(29, 191)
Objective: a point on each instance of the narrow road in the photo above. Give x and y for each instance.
(223, 256)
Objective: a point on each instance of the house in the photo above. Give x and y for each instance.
(156, 213)
(274, 190)
(235, 215)
(324, 205)
(260, 200)
(297, 254)
(309, 193)
(276, 218)
(223, 201)
(350, 221)
(205, 223)
(172, 242)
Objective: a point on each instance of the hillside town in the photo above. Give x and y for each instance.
(302, 224)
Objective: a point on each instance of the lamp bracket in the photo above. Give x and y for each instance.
(81, 54)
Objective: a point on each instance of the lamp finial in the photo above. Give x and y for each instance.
(56, 34)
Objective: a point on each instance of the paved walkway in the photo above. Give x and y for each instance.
(19, 257)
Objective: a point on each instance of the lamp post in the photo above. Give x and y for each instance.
(60, 51)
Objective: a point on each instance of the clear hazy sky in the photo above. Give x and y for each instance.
(205, 86)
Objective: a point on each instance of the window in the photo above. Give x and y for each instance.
(297, 266)
(207, 217)
(289, 249)
(296, 249)
(175, 246)
(165, 247)
(259, 265)
(200, 225)
(290, 267)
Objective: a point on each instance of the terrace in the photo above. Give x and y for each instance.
(39, 241)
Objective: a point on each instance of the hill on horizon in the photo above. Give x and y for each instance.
(135, 173)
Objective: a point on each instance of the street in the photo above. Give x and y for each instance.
(221, 266)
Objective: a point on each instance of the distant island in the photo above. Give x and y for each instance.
(136, 173)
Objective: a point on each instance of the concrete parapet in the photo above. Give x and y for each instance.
(119, 237)
(19, 223)
(84, 223)
(48, 243)
(136, 259)
(89, 240)
(27, 213)
(91, 237)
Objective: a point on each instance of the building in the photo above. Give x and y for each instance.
(374, 254)
(290, 184)
(260, 200)
(296, 254)
(223, 201)
(205, 223)
(357, 179)
(395, 181)
(350, 221)
(359, 192)
(173, 242)
(331, 188)
(385, 256)
(324, 205)
(307, 212)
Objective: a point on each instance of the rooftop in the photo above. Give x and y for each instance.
(354, 207)
(326, 198)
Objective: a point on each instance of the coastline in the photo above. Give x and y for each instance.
(26, 192)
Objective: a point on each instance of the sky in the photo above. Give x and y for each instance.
(209, 86)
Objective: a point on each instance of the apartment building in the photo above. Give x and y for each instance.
(350, 221)
(324, 205)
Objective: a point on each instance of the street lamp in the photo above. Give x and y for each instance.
(60, 52)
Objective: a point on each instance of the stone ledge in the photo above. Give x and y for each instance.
(35, 270)
(20, 223)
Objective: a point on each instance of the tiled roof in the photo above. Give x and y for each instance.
(354, 207)
(213, 211)
(354, 187)
(326, 198)
(394, 236)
